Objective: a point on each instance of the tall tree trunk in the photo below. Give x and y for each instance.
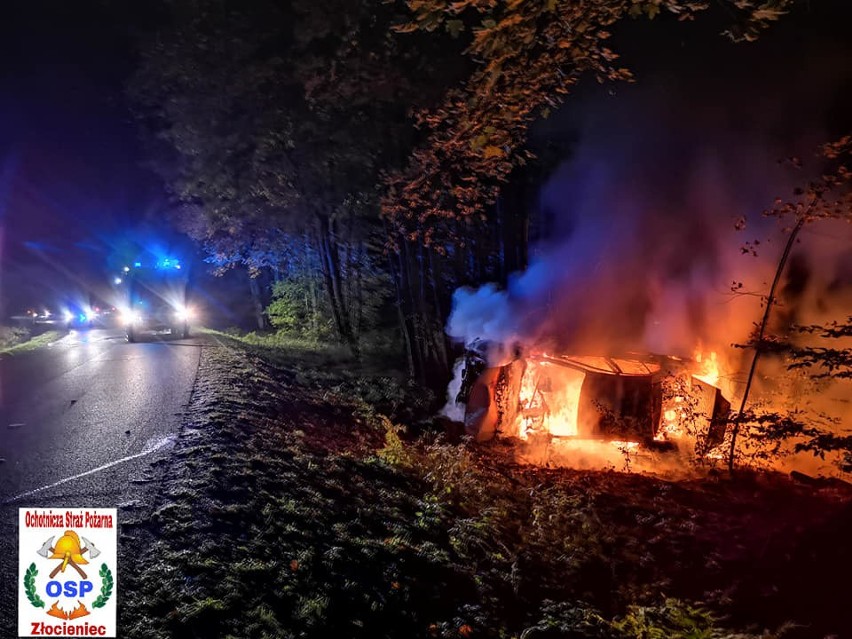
(395, 267)
(331, 271)
(257, 303)
(411, 308)
(358, 294)
(770, 300)
(313, 277)
(443, 358)
(502, 268)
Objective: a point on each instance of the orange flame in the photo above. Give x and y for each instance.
(56, 611)
(550, 402)
(709, 367)
(545, 408)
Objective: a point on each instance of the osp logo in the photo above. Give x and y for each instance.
(67, 565)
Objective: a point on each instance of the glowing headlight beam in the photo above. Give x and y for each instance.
(183, 313)
(128, 316)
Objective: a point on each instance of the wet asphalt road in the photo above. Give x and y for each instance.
(82, 423)
(86, 402)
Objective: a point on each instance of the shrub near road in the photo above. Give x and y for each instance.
(292, 509)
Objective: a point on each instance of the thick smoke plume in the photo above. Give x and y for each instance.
(643, 241)
(640, 220)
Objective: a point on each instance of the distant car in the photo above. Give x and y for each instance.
(79, 319)
(108, 316)
(47, 316)
(77, 315)
(70, 316)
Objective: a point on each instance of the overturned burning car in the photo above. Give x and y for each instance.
(641, 400)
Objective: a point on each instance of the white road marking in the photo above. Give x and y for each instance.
(150, 447)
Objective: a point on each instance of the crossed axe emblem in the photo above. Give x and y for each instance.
(69, 551)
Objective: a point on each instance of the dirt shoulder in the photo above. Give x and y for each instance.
(290, 508)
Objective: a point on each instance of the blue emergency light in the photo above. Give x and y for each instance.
(168, 263)
(164, 264)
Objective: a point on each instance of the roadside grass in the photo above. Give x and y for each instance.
(279, 348)
(296, 509)
(13, 347)
(13, 335)
(376, 355)
(330, 368)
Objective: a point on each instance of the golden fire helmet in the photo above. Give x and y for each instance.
(68, 549)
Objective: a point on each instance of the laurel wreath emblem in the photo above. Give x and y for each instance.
(107, 584)
(30, 588)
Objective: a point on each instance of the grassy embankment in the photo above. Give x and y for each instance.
(15, 340)
(293, 508)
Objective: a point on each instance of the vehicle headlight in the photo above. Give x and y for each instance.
(129, 316)
(183, 313)
(68, 315)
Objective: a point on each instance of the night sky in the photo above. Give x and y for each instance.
(73, 185)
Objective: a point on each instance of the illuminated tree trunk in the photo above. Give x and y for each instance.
(770, 300)
(256, 302)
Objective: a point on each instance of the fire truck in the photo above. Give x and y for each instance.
(156, 299)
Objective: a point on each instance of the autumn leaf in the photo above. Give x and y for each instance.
(492, 151)
(409, 27)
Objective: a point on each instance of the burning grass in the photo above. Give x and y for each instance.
(295, 508)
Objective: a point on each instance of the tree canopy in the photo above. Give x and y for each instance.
(527, 57)
(380, 135)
